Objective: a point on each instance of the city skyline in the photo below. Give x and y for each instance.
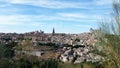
(66, 16)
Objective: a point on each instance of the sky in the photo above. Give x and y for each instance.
(65, 16)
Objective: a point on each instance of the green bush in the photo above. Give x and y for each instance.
(50, 64)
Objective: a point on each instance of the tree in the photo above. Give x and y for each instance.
(110, 37)
(6, 50)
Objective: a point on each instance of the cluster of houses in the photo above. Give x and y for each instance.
(41, 37)
(76, 55)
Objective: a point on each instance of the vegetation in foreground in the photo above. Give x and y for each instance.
(109, 38)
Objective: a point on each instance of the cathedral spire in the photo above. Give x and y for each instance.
(53, 33)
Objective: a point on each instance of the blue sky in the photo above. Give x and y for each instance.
(66, 16)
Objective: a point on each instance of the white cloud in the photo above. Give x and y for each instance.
(4, 5)
(37, 24)
(58, 4)
(19, 23)
(65, 18)
(102, 2)
(84, 26)
(44, 3)
(19, 20)
(15, 19)
(80, 17)
(32, 20)
(73, 15)
(5, 30)
(40, 20)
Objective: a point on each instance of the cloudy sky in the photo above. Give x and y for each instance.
(66, 16)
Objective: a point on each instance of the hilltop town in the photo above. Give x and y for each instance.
(67, 48)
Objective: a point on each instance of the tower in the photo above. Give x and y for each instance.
(53, 33)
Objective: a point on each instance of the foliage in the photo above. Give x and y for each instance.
(7, 50)
(50, 64)
(5, 63)
(109, 37)
(23, 63)
(78, 40)
(48, 44)
(101, 53)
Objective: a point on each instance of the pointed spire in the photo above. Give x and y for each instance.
(53, 33)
